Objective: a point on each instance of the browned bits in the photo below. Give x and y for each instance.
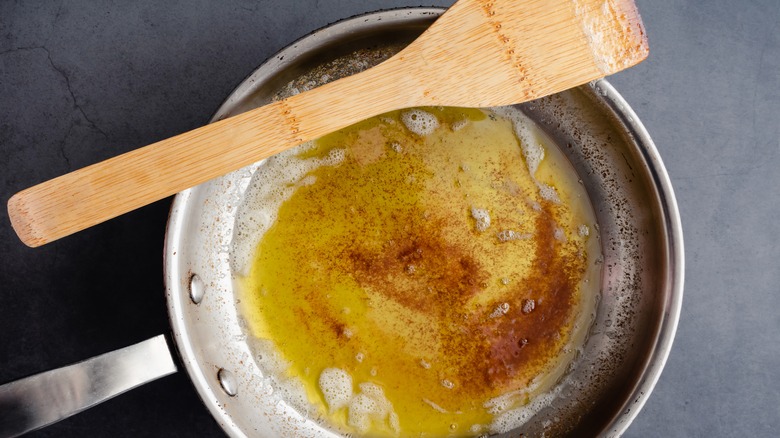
(381, 259)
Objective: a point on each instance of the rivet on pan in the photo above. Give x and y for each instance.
(227, 381)
(197, 289)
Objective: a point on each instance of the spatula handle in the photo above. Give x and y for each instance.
(94, 194)
(89, 196)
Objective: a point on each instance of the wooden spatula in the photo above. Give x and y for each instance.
(480, 53)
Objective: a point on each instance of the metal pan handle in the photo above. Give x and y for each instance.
(37, 401)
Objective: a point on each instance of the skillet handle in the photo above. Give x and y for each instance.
(37, 401)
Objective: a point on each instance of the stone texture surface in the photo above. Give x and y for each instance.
(83, 81)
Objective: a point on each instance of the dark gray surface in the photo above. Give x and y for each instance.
(83, 81)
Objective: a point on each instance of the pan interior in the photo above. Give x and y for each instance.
(637, 275)
(426, 256)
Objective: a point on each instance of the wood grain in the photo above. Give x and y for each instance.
(480, 53)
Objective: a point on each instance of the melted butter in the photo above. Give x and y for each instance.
(434, 267)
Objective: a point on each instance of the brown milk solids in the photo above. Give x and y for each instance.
(427, 271)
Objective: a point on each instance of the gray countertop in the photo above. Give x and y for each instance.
(84, 81)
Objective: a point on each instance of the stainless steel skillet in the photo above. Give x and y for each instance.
(639, 228)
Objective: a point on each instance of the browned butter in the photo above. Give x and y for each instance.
(428, 274)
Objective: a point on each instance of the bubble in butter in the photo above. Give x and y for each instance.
(423, 272)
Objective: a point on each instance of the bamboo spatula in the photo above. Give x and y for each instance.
(480, 53)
